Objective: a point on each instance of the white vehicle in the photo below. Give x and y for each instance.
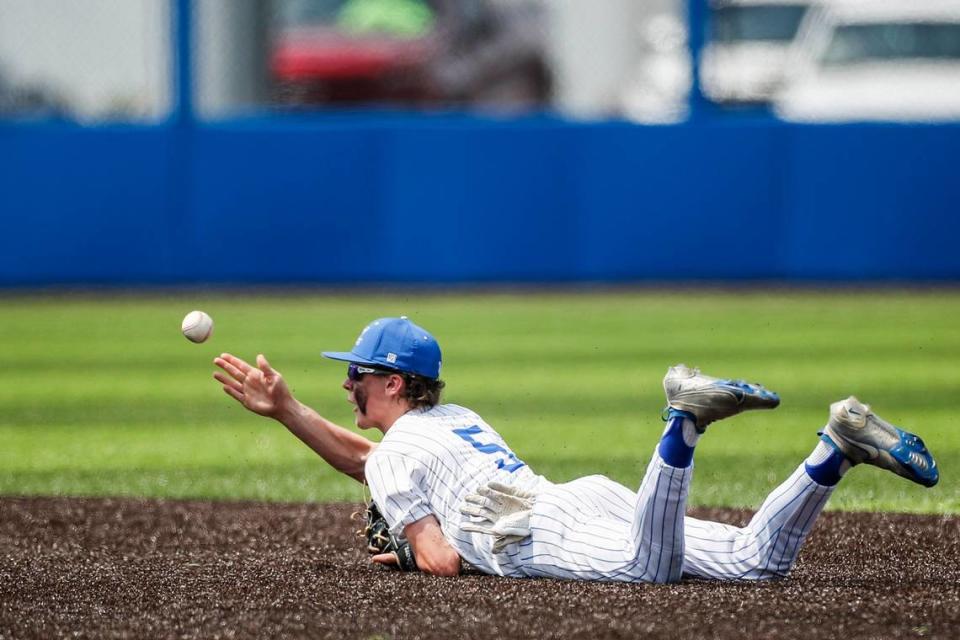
(744, 59)
(876, 60)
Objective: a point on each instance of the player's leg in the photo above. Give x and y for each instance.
(595, 529)
(582, 530)
(657, 528)
(694, 401)
(768, 546)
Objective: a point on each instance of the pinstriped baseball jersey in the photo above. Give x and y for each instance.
(429, 460)
(591, 528)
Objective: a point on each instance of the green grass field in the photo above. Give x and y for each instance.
(103, 396)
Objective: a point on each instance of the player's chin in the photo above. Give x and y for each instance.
(360, 419)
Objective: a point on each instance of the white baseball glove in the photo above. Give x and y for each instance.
(500, 510)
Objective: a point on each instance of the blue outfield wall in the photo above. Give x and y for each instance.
(444, 199)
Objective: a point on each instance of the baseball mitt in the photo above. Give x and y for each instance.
(380, 540)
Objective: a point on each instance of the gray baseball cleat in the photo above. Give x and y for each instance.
(709, 399)
(863, 436)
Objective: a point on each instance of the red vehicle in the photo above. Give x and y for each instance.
(407, 52)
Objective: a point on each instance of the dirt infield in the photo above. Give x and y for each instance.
(137, 568)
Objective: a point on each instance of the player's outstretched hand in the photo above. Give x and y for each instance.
(260, 389)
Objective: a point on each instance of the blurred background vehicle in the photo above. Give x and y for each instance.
(745, 58)
(877, 60)
(411, 52)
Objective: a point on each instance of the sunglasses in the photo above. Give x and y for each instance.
(356, 371)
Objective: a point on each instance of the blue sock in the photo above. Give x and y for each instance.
(678, 439)
(826, 464)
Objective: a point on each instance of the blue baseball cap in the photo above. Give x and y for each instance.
(394, 343)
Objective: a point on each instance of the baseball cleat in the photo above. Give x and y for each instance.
(863, 436)
(709, 399)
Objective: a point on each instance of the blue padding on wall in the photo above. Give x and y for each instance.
(86, 205)
(287, 205)
(479, 205)
(456, 199)
(872, 202)
(679, 202)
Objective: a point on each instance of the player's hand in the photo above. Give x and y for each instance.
(260, 389)
(386, 559)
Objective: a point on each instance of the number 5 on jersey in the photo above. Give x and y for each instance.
(511, 463)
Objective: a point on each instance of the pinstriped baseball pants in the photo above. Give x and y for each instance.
(596, 529)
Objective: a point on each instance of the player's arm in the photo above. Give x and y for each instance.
(262, 390)
(433, 553)
(343, 450)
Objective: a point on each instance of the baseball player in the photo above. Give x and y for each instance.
(450, 489)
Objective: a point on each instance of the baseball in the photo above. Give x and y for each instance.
(197, 326)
